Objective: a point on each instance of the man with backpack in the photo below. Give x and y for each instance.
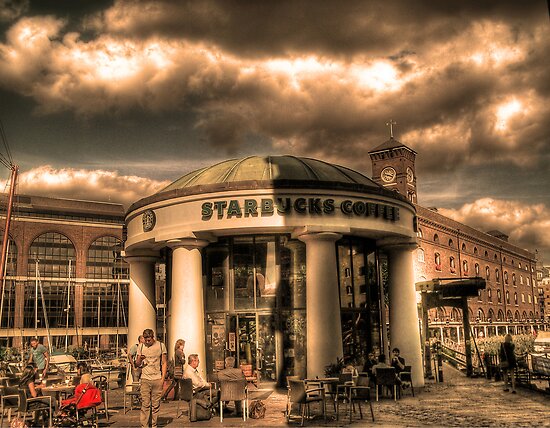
(152, 358)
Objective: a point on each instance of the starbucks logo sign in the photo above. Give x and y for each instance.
(148, 219)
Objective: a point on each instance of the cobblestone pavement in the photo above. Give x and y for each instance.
(457, 402)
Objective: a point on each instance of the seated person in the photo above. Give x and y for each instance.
(201, 388)
(381, 363)
(370, 363)
(85, 394)
(81, 368)
(27, 382)
(397, 361)
(231, 373)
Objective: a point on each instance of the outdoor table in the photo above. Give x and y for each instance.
(56, 391)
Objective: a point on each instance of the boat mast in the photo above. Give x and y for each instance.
(5, 238)
(68, 307)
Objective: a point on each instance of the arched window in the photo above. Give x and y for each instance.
(522, 297)
(475, 251)
(497, 275)
(419, 233)
(481, 314)
(450, 242)
(463, 246)
(504, 260)
(487, 272)
(516, 316)
(521, 279)
(490, 315)
(496, 257)
(509, 315)
(507, 297)
(437, 260)
(452, 264)
(489, 295)
(514, 279)
(476, 268)
(528, 282)
(500, 315)
(465, 267)
(105, 265)
(420, 255)
(515, 298)
(455, 315)
(499, 296)
(506, 277)
(529, 298)
(50, 254)
(519, 265)
(486, 253)
(436, 238)
(441, 314)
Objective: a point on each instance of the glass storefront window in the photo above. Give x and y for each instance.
(294, 343)
(358, 298)
(245, 284)
(293, 273)
(217, 277)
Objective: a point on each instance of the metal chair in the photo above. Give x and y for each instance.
(102, 384)
(288, 405)
(234, 390)
(30, 405)
(304, 397)
(357, 394)
(385, 376)
(131, 392)
(185, 394)
(9, 397)
(406, 379)
(338, 391)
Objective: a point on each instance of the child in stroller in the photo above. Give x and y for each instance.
(73, 410)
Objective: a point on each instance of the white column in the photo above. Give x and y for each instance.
(324, 326)
(404, 330)
(142, 311)
(186, 306)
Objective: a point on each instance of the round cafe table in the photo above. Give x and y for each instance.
(58, 391)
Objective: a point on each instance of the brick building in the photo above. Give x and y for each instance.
(449, 249)
(64, 261)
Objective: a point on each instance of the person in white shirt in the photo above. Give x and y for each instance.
(201, 387)
(151, 357)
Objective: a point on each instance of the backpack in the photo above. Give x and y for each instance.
(257, 409)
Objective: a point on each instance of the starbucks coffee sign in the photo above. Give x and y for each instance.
(233, 208)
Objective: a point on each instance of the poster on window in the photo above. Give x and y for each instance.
(232, 342)
(217, 336)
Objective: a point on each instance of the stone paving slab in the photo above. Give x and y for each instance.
(457, 402)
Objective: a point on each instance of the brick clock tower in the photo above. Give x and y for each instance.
(393, 166)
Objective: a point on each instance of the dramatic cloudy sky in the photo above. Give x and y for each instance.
(111, 100)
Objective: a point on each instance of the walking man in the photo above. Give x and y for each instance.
(39, 356)
(152, 358)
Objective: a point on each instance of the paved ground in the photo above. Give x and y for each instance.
(458, 402)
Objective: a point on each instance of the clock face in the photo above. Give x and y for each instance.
(410, 175)
(388, 174)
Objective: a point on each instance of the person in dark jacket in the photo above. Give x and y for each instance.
(508, 362)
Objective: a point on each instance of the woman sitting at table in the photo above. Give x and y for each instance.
(33, 390)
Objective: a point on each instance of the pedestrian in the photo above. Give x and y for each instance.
(508, 362)
(132, 353)
(40, 356)
(179, 363)
(151, 357)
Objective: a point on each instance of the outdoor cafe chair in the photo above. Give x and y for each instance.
(9, 397)
(359, 393)
(185, 394)
(30, 405)
(304, 397)
(338, 390)
(133, 395)
(406, 379)
(101, 383)
(234, 390)
(385, 376)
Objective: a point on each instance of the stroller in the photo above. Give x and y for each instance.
(73, 411)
